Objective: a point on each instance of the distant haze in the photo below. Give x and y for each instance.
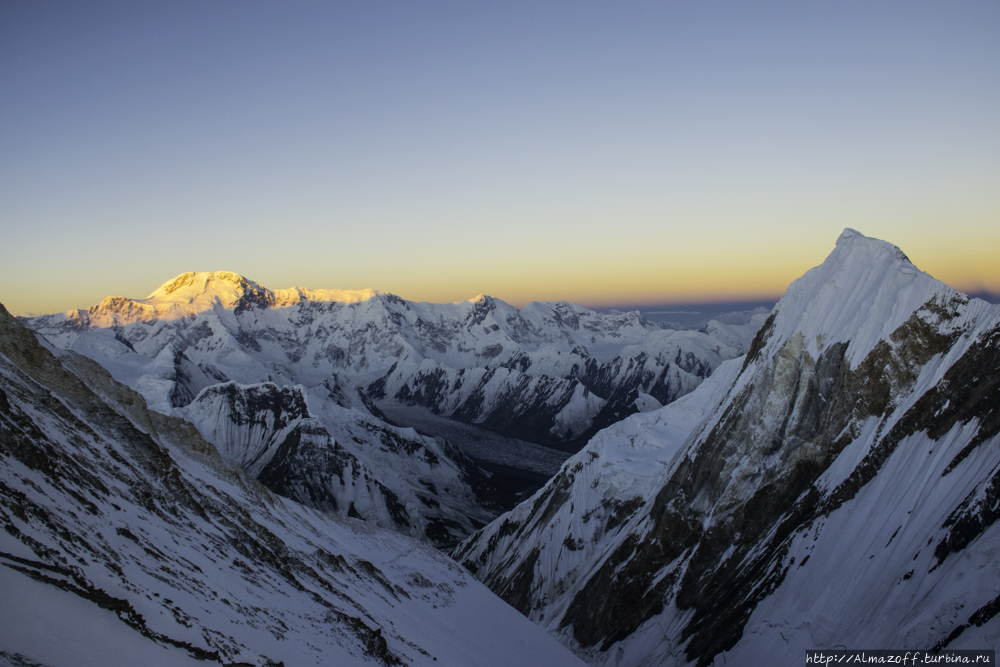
(697, 315)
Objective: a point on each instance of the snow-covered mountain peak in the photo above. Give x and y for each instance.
(854, 241)
(191, 293)
(865, 290)
(199, 291)
(201, 280)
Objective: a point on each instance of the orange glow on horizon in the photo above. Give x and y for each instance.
(746, 269)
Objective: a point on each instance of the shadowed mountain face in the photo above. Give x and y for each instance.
(287, 382)
(128, 540)
(838, 486)
(342, 459)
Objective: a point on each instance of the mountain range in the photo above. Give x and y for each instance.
(826, 475)
(296, 385)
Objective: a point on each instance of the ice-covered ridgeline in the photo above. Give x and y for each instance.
(837, 487)
(127, 540)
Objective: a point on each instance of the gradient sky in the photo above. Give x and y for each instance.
(596, 152)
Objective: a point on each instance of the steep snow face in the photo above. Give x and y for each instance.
(836, 487)
(862, 294)
(127, 540)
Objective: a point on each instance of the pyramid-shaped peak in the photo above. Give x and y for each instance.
(864, 290)
(854, 241)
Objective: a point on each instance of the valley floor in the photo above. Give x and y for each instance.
(477, 442)
(517, 468)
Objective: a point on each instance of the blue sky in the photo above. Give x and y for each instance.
(594, 152)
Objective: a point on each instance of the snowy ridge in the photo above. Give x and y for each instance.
(127, 540)
(837, 487)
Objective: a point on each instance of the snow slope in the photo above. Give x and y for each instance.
(128, 540)
(837, 487)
